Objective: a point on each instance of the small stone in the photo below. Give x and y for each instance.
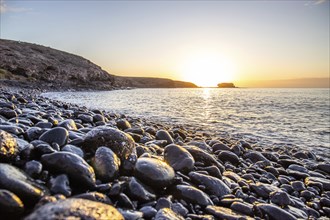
(193, 195)
(123, 124)
(11, 207)
(106, 164)
(77, 208)
(68, 124)
(224, 213)
(154, 172)
(280, 198)
(74, 166)
(213, 185)
(167, 214)
(60, 185)
(178, 158)
(73, 149)
(164, 135)
(119, 142)
(272, 212)
(148, 212)
(33, 168)
(229, 156)
(139, 191)
(57, 135)
(8, 147)
(94, 196)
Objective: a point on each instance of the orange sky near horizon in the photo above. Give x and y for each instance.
(205, 42)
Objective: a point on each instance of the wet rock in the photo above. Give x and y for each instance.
(12, 129)
(16, 181)
(220, 146)
(178, 158)
(68, 124)
(106, 164)
(298, 186)
(272, 211)
(139, 191)
(125, 202)
(119, 142)
(224, 213)
(193, 195)
(75, 208)
(243, 208)
(256, 157)
(11, 207)
(164, 135)
(57, 135)
(8, 147)
(167, 214)
(280, 198)
(60, 185)
(123, 124)
(154, 172)
(163, 202)
(44, 125)
(180, 209)
(73, 149)
(324, 167)
(33, 168)
(263, 190)
(213, 186)
(85, 118)
(74, 166)
(310, 181)
(148, 212)
(8, 113)
(229, 156)
(94, 196)
(204, 157)
(34, 133)
(287, 162)
(130, 214)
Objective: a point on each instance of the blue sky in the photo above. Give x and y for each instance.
(260, 39)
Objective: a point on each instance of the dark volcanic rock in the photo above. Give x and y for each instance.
(224, 213)
(8, 147)
(10, 205)
(179, 158)
(228, 156)
(213, 186)
(68, 124)
(60, 185)
(119, 142)
(273, 212)
(280, 198)
(154, 172)
(56, 135)
(164, 135)
(167, 214)
(192, 195)
(74, 166)
(106, 164)
(16, 181)
(33, 168)
(139, 191)
(75, 208)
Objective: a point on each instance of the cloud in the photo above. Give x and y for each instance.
(5, 8)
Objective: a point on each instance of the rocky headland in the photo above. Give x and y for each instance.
(33, 66)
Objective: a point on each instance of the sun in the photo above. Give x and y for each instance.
(207, 70)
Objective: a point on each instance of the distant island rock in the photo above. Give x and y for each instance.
(226, 85)
(35, 66)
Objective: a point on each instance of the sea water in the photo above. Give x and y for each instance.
(296, 117)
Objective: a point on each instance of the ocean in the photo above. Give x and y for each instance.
(295, 117)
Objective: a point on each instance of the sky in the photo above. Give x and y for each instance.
(205, 42)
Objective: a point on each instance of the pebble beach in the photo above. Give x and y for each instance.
(60, 160)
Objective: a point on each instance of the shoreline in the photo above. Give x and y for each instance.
(200, 176)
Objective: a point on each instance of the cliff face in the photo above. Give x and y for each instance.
(31, 63)
(35, 66)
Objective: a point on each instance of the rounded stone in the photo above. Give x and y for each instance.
(60, 185)
(164, 135)
(16, 181)
(10, 205)
(106, 164)
(154, 172)
(33, 168)
(123, 124)
(178, 158)
(280, 198)
(8, 147)
(119, 142)
(75, 209)
(57, 135)
(193, 195)
(229, 156)
(213, 185)
(167, 214)
(78, 170)
(68, 124)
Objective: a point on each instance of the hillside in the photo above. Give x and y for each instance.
(148, 82)
(35, 66)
